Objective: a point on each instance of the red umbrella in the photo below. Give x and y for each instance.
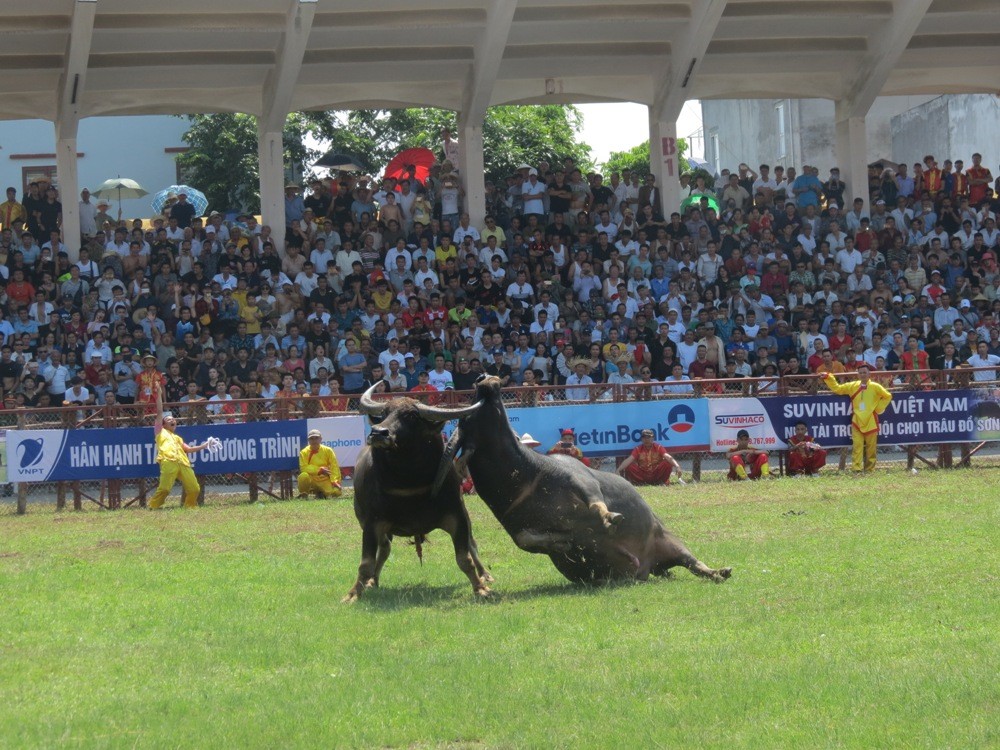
(420, 159)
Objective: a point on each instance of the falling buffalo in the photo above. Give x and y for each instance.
(556, 506)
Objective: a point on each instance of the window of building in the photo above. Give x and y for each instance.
(46, 174)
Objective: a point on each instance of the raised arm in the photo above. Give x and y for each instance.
(158, 422)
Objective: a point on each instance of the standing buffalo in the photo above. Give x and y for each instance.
(545, 502)
(392, 488)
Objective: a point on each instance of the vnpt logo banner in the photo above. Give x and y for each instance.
(33, 454)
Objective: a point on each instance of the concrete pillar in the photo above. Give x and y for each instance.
(270, 150)
(473, 171)
(852, 150)
(664, 161)
(69, 195)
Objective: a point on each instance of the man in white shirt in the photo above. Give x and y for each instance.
(532, 192)
(391, 354)
(463, 230)
(578, 378)
(849, 257)
(982, 358)
(765, 184)
(607, 226)
(88, 215)
(439, 377)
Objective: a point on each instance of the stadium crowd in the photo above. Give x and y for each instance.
(571, 280)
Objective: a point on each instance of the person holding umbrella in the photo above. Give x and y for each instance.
(182, 210)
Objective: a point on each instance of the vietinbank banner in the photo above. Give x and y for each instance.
(130, 452)
(921, 417)
(613, 429)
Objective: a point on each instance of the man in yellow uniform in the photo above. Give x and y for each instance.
(172, 456)
(319, 471)
(868, 401)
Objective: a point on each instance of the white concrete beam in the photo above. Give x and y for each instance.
(664, 162)
(685, 59)
(488, 56)
(74, 75)
(475, 101)
(885, 49)
(852, 150)
(276, 96)
(72, 83)
(271, 155)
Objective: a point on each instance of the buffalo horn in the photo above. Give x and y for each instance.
(370, 406)
(438, 414)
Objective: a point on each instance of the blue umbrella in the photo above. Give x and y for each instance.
(195, 197)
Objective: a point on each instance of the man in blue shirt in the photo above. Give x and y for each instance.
(807, 188)
(295, 208)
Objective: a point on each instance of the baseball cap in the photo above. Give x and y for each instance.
(315, 433)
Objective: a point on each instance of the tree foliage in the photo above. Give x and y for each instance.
(222, 160)
(637, 158)
(511, 135)
(222, 157)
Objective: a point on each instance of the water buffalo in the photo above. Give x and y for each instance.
(392, 488)
(544, 503)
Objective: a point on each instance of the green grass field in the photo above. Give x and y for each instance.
(861, 614)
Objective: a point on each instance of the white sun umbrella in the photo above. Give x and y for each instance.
(121, 188)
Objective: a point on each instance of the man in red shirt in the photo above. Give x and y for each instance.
(979, 180)
(649, 463)
(804, 454)
(745, 461)
(567, 446)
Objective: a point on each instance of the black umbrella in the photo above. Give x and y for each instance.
(342, 161)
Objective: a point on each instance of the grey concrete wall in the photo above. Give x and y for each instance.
(950, 127)
(747, 129)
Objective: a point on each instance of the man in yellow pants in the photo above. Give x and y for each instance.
(868, 401)
(172, 456)
(319, 471)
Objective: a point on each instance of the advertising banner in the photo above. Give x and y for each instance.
(613, 429)
(130, 452)
(920, 417)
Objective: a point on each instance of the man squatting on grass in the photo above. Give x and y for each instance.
(319, 470)
(171, 455)
(745, 461)
(649, 463)
(868, 401)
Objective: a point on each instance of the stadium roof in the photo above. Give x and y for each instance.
(65, 59)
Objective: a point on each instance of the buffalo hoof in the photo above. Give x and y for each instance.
(371, 583)
(351, 598)
(722, 574)
(487, 578)
(483, 592)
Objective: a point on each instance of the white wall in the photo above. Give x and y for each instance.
(111, 146)
(950, 127)
(748, 129)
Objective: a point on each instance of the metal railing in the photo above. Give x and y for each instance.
(113, 494)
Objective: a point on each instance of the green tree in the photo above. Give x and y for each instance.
(511, 135)
(222, 157)
(637, 159)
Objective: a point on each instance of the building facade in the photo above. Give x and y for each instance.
(793, 132)
(142, 148)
